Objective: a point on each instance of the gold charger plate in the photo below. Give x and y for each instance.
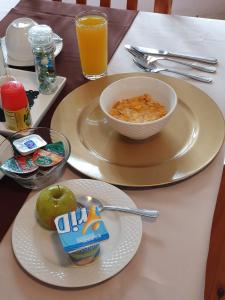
(190, 140)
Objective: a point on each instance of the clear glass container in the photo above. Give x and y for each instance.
(42, 177)
(43, 48)
(92, 37)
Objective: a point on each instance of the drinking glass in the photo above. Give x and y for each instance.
(92, 36)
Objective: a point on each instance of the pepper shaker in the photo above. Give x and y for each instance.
(43, 47)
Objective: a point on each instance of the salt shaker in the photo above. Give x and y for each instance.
(43, 47)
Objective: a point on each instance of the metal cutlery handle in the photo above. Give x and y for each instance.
(192, 65)
(136, 211)
(196, 58)
(143, 56)
(195, 77)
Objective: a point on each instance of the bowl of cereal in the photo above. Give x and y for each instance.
(138, 107)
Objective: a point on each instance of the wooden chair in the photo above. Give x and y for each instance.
(160, 6)
(163, 6)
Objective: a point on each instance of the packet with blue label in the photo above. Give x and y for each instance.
(81, 232)
(28, 144)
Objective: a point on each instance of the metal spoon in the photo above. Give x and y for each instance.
(154, 69)
(89, 200)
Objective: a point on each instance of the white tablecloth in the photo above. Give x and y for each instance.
(171, 260)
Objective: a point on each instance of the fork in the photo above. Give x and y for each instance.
(154, 69)
(151, 59)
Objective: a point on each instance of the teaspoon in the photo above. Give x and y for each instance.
(89, 200)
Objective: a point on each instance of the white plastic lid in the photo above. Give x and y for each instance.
(40, 35)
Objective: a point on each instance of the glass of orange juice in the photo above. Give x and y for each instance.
(92, 36)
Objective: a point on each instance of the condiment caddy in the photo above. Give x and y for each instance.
(41, 104)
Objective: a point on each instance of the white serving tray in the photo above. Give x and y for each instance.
(41, 104)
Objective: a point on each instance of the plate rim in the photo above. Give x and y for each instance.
(136, 220)
(169, 80)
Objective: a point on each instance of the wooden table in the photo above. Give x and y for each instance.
(215, 272)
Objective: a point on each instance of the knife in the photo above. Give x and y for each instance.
(144, 50)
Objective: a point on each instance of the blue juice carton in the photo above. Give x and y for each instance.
(81, 232)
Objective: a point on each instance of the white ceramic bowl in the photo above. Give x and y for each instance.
(136, 86)
(16, 39)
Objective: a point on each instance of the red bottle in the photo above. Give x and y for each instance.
(15, 105)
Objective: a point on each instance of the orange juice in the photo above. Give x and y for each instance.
(92, 37)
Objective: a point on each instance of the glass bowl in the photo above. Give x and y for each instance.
(43, 176)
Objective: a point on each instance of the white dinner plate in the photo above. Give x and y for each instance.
(12, 62)
(39, 251)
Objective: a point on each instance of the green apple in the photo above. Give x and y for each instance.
(53, 201)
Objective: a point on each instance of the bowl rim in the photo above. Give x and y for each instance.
(31, 21)
(140, 123)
